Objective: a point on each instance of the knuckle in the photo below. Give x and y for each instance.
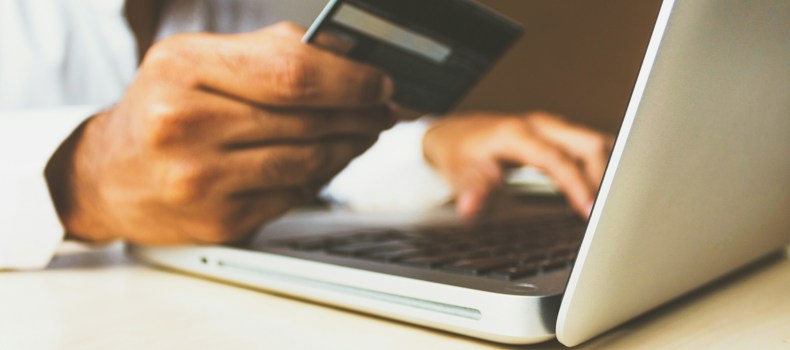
(172, 60)
(167, 52)
(165, 124)
(186, 183)
(159, 54)
(294, 78)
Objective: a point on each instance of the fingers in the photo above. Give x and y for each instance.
(218, 120)
(288, 166)
(588, 146)
(460, 147)
(474, 187)
(268, 126)
(338, 44)
(527, 149)
(270, 67)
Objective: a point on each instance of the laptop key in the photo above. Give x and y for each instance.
(565, 248)
(364, 248)
(428, 261)
(532, 257)
(478, 266)
(492, 250)
(567, 257)
(390, 256)
(515, 272)
(311, 244)
(551, 266)
(356, 248)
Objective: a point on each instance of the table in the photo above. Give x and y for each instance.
(100, 299)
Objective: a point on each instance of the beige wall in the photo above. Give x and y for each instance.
(577, 57)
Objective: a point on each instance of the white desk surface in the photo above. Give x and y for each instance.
(99, 299)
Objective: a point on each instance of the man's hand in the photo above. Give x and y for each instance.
(473, 151)
(216, 136)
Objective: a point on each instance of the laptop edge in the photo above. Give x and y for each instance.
(705, 139)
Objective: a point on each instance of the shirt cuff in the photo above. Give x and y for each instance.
(30, 229)
(392, 176)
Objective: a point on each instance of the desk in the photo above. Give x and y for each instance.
(99, 299)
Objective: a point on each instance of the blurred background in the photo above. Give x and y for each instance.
(579, 58)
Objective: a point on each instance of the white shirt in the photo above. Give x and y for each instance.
(63, 61)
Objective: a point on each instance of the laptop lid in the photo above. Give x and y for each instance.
(699, 183)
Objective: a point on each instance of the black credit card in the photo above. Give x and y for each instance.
(435, 50)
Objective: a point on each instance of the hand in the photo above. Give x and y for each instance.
(473, 151)
(216, 136)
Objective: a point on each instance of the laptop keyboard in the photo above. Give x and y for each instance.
(505, 251)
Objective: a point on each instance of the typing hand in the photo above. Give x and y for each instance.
(217, 135)
(472, 152)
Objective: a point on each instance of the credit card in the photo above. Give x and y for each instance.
(435, 50)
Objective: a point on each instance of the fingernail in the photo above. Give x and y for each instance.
(387, 88)
(590, 209)
(470, 203)
(466, 204)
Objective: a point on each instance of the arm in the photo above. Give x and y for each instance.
(423, 164)
(203, 148)
(29, 227)
(217, 135)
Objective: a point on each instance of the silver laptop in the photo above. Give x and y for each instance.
(698, 186)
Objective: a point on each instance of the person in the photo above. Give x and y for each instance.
(174, 122)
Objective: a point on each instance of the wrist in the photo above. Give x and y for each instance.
(73, 191)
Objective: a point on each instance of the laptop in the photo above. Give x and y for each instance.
(698, 186)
